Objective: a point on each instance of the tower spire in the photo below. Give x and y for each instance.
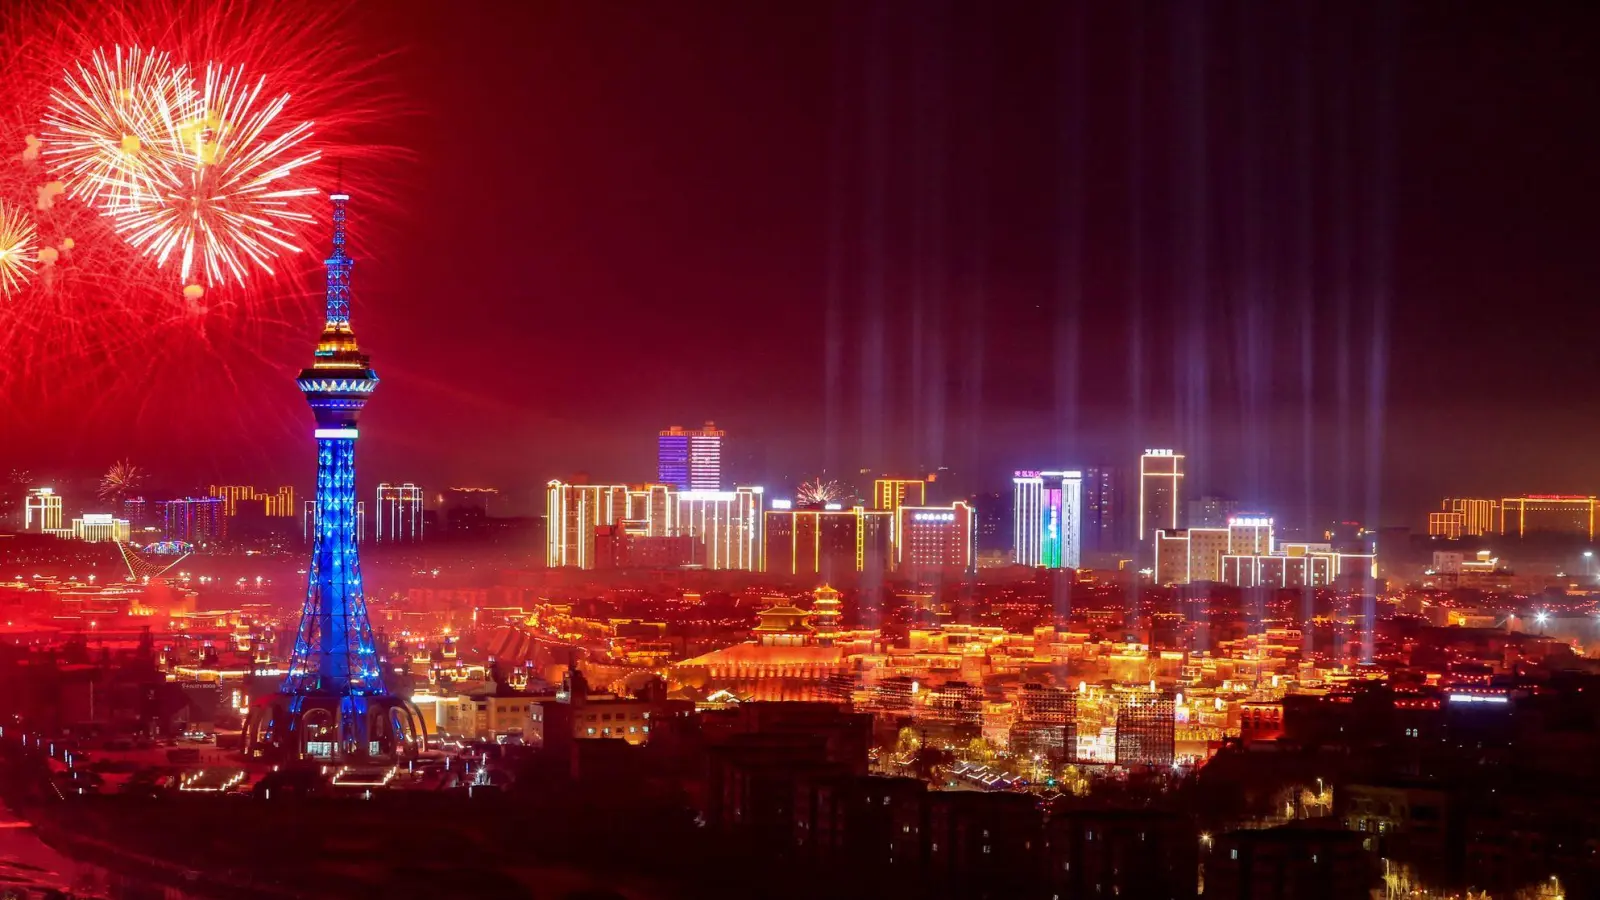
(338, 267)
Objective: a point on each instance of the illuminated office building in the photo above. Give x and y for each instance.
(101, 527)
(1250, 535)
(1047, 517)
(724, 527)
(1478, 517)
(830, 543)
(197, 520)
(280, 505)
(231, 494)
(1211, 512)
(1160, 491)
(137, 511)
(400, 513)
(1565, 514)
(893, 493)
(690, 459)
(308, 521)
(42, 510)
(1191, 554)
(574, 512)
(1298, 564)
(931, 539)
(1198, 554)
(652, 511)
(1278, 571)
(1448, 525)
(277, 505)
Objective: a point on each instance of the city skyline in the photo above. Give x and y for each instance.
(1121, 470)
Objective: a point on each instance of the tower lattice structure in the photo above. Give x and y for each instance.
(334, 702)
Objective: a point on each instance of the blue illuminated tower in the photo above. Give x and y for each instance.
(334, 703)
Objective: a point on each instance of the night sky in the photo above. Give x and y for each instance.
(1310, 244)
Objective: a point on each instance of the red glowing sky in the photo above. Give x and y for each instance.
(901, 234)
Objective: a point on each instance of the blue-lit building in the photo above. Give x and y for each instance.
(334, 702)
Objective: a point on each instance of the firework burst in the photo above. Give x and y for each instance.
(121, 480)
(17, 249)
(89, 157)
(216, 196)
(819, 493)
(102, 117)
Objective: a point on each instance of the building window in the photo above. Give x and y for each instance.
(1234, 853)
(591, 731)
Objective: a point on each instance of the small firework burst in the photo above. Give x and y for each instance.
(819, 493)
(121, 480)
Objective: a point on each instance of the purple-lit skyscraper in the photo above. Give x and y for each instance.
(690, 459)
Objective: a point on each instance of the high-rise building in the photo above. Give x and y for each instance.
(1478, 517)
(334, 703)
(1250, 534)
(1211, 512)
(276, 505)
(1048, 514)
(830, 543)
(1160, 491)
(400, 513)
(574, 512)
(1193, 554)
(201, 521)
(690, 459)
(280, 504)
(893, 493)
(1448, 525)
(466, 511)
(138, 512)
(652, 511)
(931, 539)
(1566, 514)
(100, 527)
(996, 525)
(1198, 554)
(42, 510)
(1103, 523)
(231, 494)
(724, 527)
